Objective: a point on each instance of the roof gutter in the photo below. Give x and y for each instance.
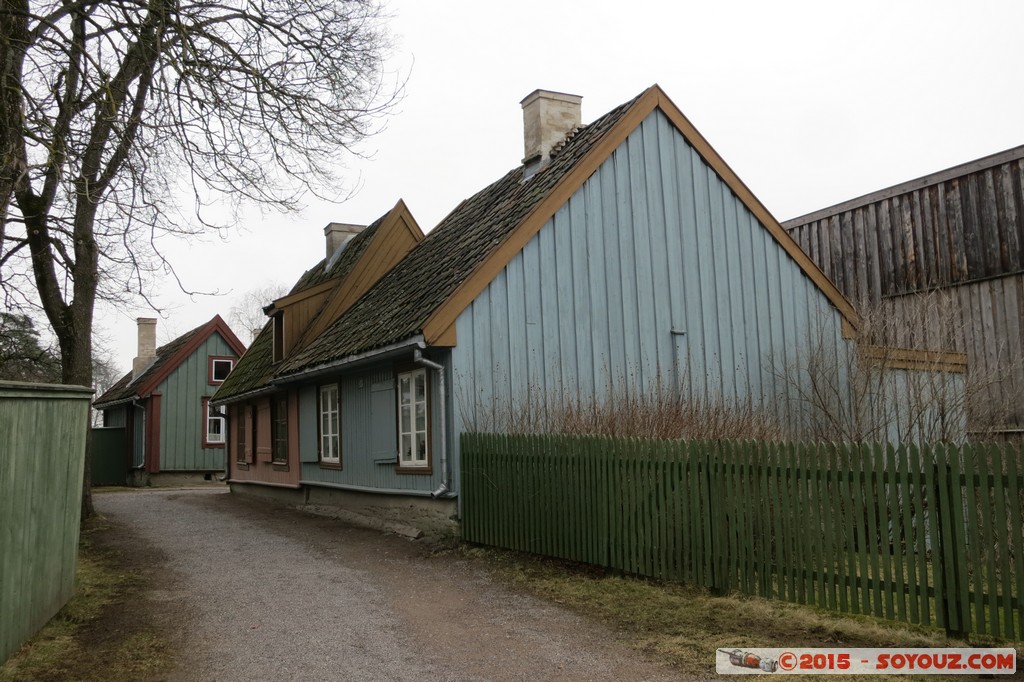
(115, 403)
(255, 393)
(350, 361)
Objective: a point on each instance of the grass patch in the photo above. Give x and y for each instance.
(685, 625)
(91, 639)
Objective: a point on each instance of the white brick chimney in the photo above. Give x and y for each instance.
(147, 346)
(337, 233)
(547, 118)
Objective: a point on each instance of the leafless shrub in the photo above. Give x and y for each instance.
(659, 413)
(882, 387)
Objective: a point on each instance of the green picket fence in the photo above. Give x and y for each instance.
(926, 535)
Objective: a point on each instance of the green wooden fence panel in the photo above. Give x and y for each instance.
(42, 456)
(923, 535)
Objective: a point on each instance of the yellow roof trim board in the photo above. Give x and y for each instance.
(912, 358)
(436, 328)
(285, 301)
(396, 236)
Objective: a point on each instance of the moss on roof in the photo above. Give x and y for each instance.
(401, 302)
(255, 369)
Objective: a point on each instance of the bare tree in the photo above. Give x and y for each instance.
(111, 109)
(247, 314)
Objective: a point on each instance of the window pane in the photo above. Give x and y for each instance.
(406, 448)
(421, 447)
(405, 423)
(421, 416)
(404, 392)
(221, 369)
(421, 386)
(334, 424)
(335, 447)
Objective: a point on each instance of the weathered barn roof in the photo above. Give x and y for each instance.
(168, 357)
(425, 292)
(962, 224)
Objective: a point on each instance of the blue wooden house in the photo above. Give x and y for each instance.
(621, 256)
(163, 403)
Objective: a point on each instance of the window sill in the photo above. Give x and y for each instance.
(243, 466)
(331, 465)
(422, 471)
(216, 446)
(279, 466)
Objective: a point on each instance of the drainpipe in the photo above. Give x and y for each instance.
(443, 490)
(227, 445)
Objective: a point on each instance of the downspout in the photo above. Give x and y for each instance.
(227, 446)
(443, 490)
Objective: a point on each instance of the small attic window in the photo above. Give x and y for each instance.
(337, 252)
(220, 367)
(278, 336)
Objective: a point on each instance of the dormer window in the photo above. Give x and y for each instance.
(219, 369)
(278, 336)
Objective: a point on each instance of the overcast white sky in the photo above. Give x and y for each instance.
(811, 103)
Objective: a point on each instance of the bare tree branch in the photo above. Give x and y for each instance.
(111, 109)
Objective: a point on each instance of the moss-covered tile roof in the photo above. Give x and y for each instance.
(399, 304)
(255, 369)
(346, 261)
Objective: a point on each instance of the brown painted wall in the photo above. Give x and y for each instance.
(259, 468)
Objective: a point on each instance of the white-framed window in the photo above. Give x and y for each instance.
(215, 425)
(330, 425)
(413, 444)
(220, 367)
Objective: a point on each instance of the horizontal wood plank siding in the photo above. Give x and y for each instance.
(963, 233)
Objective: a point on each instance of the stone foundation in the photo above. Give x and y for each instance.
(405, 515)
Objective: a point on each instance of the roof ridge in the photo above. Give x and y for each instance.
(977, 165)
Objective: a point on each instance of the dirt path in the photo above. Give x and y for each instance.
(253, 592)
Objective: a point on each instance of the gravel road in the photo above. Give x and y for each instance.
(248, 591)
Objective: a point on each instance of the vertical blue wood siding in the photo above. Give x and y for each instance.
(653, 275)
(116, 416)
(369, 440)
(182, 423)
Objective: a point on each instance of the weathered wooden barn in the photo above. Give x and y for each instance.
(942, 257)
